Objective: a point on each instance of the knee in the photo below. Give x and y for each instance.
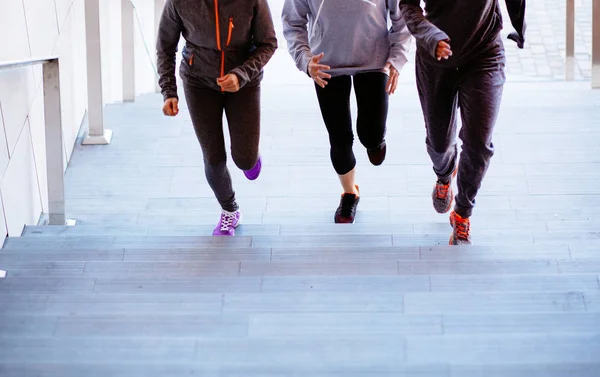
(343, 164)
(215, 161)
(370, 141)
(440, 146)
(342, 158)
(371, 131)
(478, 144)
(244, 162)
(484, 150)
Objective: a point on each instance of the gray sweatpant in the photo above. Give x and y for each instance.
(476, 89)
(242, 109)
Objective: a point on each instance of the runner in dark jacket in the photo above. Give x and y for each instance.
(227, 45)
(460, 64)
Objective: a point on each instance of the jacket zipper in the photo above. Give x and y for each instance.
(192, 59)
(230, 29)
(231, 26)
(222, 73)
(217, 25)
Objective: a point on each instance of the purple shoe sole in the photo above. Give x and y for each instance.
(253, 173)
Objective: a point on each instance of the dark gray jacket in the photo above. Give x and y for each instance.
(471, 26)
(226, 36)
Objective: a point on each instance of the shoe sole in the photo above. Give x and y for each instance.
(353, 221)
(254, 177)
(378, 163)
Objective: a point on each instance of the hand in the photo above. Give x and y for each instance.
(171, 107)
(229, 83)
(315, 70)
(518, 39)
(392, 82)
(443, 50)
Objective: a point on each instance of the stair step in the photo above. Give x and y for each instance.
(173, 265)
(61, 303)
(149, 369)
(16, 253)
(583, 243)
(515, 230)
(384, 352)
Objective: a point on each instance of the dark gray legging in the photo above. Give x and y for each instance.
(475, 88)
(243, 117)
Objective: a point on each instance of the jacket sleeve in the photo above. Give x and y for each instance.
(516, 11)
(265, 41)
(295, 30)
(169, 33)
(427, 34)
(399, 37)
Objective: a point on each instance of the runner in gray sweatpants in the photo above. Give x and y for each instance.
(227, 45)
(460, 64)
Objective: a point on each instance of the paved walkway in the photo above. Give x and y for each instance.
(544, 56)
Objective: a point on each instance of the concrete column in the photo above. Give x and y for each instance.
(596, 44)
(570, 41)
(55, 163)
(96, 135)
(128, 46)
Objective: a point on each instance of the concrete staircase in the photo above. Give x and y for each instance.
(135, 290)
(354, 300)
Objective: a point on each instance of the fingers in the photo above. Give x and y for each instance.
(320, 67)
(228, 83)
(444, 44)
(317, 58)
(392, 82)
(443, 50)
(171, 108)
(225, 84)
(319, 77)
(323, 75)
(322, 83)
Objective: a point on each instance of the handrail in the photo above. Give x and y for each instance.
(54, 134)
(27, 62)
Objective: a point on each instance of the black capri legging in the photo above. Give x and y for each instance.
(372, 100)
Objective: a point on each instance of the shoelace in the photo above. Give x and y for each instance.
(226, 221)
(462, 228)
(442, 190)
(347, 205)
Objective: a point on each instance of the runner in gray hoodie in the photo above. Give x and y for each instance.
(340, 42)
(227, 45)
(460, 63)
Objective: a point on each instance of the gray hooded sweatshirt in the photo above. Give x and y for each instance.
(353, 34)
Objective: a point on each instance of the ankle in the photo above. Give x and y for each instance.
(355, 191)
(461, 217)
